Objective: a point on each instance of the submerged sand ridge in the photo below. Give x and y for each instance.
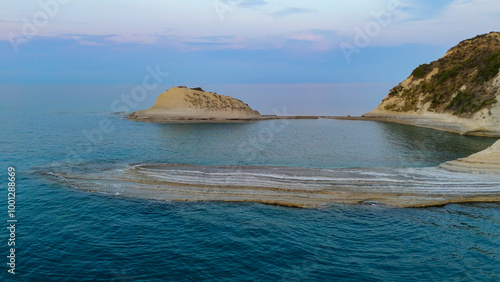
(451, 182)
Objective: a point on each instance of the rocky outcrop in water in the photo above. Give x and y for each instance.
(472, 179)
(182, 103)
(486, 161)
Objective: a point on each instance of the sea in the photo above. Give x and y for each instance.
(63, 233)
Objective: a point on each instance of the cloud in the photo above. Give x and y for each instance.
(449, 25)
(90, 43)
(261, 24)
(90, 40)
(313, 40)
(109, 39)
(252, 3)
(305, 36)
(217, 38)
(418, 10)
(290, 11)
(211, 43)
(4, 21)
(135, 38)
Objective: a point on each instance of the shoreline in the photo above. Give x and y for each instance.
(214, 119)
(413, 120)
(425, 122)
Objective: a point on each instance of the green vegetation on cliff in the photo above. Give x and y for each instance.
(421, 71)
(456, 83)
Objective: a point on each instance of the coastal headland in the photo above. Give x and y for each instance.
(459, 92)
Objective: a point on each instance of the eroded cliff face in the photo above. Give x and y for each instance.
(182, 102)
(462, 88)
(460, 83)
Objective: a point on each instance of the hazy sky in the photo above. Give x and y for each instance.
(232, 41)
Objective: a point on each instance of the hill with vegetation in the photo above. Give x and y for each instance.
(459, 91)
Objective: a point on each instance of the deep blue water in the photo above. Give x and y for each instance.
(66, 234)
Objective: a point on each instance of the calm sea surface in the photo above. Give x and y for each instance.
(66, 234)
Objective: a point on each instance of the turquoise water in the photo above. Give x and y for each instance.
(67, 234)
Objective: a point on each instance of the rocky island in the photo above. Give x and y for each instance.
(182, 104)
(457, 93)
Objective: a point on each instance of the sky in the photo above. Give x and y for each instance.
(232, 42)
